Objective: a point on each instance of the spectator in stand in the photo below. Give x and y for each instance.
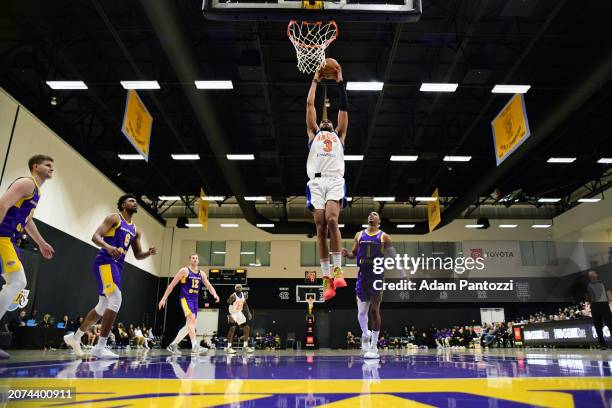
(269, 341)
(130, 331)
(33, 316)
(18, 321)
(67, 324)
(277, 341)
(490, 337)
(92, 334)
(383, 342)
(350, 341)
(121, 336)
(140, 339)
(46, 321)
(151, 338)
(423, 340)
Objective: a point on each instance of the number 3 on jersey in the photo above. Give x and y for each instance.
(327, 146)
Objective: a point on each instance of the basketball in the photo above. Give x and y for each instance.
(328, 71)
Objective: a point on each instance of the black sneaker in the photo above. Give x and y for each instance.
(603, 347)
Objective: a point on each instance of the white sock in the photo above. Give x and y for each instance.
(325, 266)
(180, 336)
(374, 341)
(78, 334)
(245, 344)
(102, 341)
(336, 259)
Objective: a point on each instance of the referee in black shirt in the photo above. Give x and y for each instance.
(600, 309)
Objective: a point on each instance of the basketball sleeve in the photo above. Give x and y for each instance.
(343, 96)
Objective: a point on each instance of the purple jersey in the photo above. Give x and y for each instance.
(120, 236)
(369, 247)
(190, 284)
(20, 214)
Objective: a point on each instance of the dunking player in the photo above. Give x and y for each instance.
(369, 244)
(326, 189)
(17, 207)
(237, 302)
(114, 237)
(191, 278)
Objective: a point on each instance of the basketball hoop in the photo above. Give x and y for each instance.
(310, 302)
(310, 40)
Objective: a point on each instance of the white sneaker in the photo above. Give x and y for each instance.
(173, 348)
(74, 344)
(372, 353)
(230, 350)
(198, 350)
(248, 349)
(365, 343)
(103, 353)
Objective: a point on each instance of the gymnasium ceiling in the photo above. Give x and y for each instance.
(554, 46)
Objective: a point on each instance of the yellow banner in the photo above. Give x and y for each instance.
(510, 128)
(433, 212)
(137, 124)
(203, 211)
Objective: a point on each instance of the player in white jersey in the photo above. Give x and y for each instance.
(236, 318)
(325, 191)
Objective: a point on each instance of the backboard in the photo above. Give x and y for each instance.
(304, 291)
(313, 10)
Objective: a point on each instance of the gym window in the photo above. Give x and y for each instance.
(211, 253)
(255, 253)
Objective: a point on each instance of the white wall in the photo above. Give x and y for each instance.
(79, 196)
(8, 110)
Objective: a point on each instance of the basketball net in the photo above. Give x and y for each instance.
(310, 39)
(310, 302)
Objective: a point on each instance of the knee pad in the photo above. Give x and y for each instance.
(114, 300)
(101, 306)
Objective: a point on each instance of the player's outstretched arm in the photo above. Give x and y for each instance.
(342, 127)
(179, 275)
(311, 111)
(46, 250)
(390, 252)
(138, 252)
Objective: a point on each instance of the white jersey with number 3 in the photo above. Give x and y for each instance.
(326, 155)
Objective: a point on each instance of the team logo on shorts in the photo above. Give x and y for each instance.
(11, 263)
(20, 301)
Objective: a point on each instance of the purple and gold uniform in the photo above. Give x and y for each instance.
(106, 269)
(13, 226)
(369, 247)
(190, 290)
